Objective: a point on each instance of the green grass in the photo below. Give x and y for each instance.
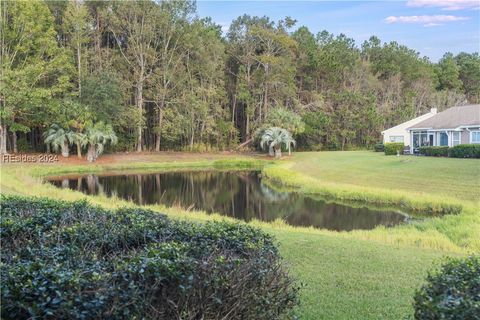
(351, 279)
(444, 177)
(348, 275)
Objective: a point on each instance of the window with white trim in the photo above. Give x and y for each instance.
(455, 138)
(474, 136)
(396, 139)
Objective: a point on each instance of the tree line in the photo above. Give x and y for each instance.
(165, 79)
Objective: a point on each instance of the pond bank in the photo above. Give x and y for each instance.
(370, 274)
(450, 232)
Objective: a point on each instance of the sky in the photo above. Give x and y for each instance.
(431, 27)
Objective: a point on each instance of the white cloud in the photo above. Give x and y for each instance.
(446, 4)
(427, 21)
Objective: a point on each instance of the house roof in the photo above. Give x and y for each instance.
(412, 122)
(452, 118)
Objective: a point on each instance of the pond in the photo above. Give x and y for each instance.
(238, 194)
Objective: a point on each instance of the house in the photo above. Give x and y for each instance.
(456, 125)
(400, 133)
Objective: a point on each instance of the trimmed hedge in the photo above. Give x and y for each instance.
(451, 293)
(440, 151)
(75, 261)
(379, 147)
(465, 151)
(392, 148)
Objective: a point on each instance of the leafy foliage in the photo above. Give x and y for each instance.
(97, 137)
(465, 151)
(274, 138)
(434, 151)
(72, 260)
(453, 292)
(164, 78)
(393, 148)
(59, 138)
(379, 147)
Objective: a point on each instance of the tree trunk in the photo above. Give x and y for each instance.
(14, 142)
(91, 153)
(247, 127)
(79, 151)
(79, 63)
(278, 151)
(65, 151)
(3, 139)
(140, 106)
(271, 151)
(159, 133)
(265, 95)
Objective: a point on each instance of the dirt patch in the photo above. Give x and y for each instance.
(146, 157)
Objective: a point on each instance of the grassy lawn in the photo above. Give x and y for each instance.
(347, 275)
(448, 177)
(352, 279)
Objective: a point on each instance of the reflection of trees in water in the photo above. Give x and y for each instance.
(237, 194)
(272, 195)
(340, 217)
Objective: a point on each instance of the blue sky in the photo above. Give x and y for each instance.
(432, 27)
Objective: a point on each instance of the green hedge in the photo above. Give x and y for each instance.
(65, 260)
(465, 151)
(440, 151)
(392, 148)
(379, 147)
(451, 293)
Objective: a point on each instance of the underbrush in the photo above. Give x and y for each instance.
(73, 260)
(452, 292)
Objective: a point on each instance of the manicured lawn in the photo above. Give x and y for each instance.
(354, 275)
(458, 178)
(352, 279)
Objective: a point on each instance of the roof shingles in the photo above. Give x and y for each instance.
(452, 118)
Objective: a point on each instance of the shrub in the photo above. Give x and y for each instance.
(75, 261)
(451, 293)
(379, 147)
(465, 151)
(440, 151)
(392, 148)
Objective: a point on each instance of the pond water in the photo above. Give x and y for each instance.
(241, 195)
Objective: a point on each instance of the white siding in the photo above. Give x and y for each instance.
(401, 129)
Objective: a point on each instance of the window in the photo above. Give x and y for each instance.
(443, 139)
(475, 137)
(396, 139)
(420, 138)
(455, 138)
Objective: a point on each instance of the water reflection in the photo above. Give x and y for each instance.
(237, 194)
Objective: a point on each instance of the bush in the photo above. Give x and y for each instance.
(465, 151)
(379, 147)
(451, 293)
(392, 148)
(75, 261)
(441, 151)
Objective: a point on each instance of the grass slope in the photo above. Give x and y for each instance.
(352, 279)
(346, 275)
(443, 177)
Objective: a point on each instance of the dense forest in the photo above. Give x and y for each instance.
(164, 79)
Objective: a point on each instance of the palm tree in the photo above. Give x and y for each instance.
(274, 137)
(97, 136)
(79, 139)
(58, 137)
